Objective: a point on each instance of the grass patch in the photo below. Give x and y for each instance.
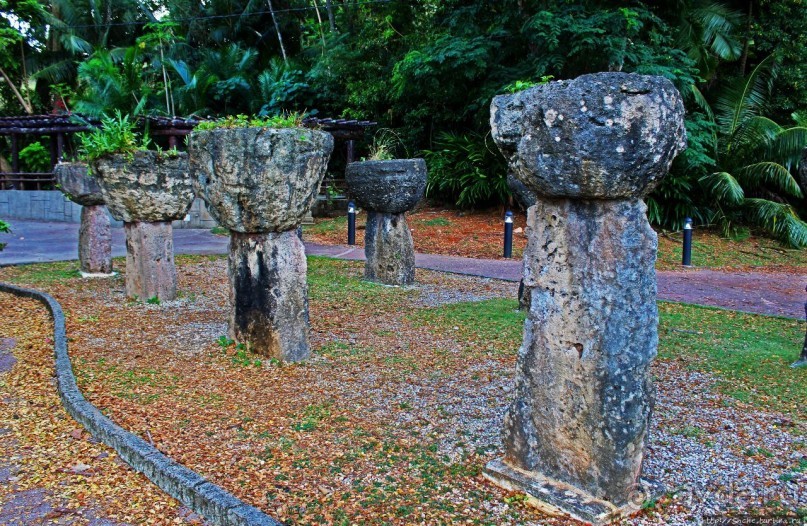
(142, 385)
(749, 354)
(340, 281)
(437, 221)
(220, 231)
(491, 326)
(327, 226)
(42, 272)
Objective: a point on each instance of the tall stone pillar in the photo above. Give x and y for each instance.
(387, 190)
(589, 149)
(260, 183)
(147, 190)
(94, 235)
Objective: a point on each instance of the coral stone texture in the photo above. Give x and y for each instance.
(77, 184)
(95, 241)
(391, 187)
(147, 186)
(95, 236)
(599, 136)
(259, 179)
(269, 294)
(150, 269)
(260, 183)
(388, 189)
(575, 434)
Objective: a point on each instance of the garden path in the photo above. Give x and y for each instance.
(761, 292)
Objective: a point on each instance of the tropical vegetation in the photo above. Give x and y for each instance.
(428, 69)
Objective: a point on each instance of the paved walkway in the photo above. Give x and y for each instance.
(760, 292)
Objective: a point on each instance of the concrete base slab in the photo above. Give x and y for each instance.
(556, 498)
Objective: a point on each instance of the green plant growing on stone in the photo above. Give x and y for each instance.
(521, 85)
(5, 228)
(385, 145)
(116, 135)
(153, 300)
(285, 120)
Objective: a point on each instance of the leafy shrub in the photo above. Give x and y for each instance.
(115, 136)
(385, 145)
(5, 228)
(35, 158)
(466, 169)
(287, 120)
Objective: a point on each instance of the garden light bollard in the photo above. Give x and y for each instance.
(590, 149)
(260, 183)
(351, 223)
(686, 252)
(95, 234)
(387, 190)
(508, 234)
(147, 190)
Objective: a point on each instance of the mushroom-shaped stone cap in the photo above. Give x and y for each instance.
(147, 186)
(77, 184)
(257, 180)
(390, 187)
(599, 136)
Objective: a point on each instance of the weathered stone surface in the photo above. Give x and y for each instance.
(601, 136)
(389, 249)
(150, 268)
(584, 396)
(269, 294)
(392, 187)
(257, 179)
(525, 197)
(77, 184)
(95, 240)
(149, 186)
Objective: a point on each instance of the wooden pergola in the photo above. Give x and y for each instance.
(59, 127)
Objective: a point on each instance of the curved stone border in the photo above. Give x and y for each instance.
(191, 489)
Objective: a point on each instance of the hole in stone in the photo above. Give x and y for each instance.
(579, 347)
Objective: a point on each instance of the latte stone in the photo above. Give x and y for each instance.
(387, 190)
(147, 191)
(589, 149)
(95, 235)
(260, 183)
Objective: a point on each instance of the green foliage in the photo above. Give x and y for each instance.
(386, 144)
(521, 85)
(468, 169)
(116, 135)
(289, 120)
(35, 158)
(5, 228)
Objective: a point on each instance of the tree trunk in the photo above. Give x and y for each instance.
(744, 57)
(331, 20)
(802, 361)
(277, 29)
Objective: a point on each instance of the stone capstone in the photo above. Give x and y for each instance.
(269, 294)
(584, 397)
(389, 249)
(391, 187)
(150, 269)
(77, 184)
(95, 240)
(257, 180)
(148, 186)
(599, 136)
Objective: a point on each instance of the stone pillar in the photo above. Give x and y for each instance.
(387, 190)
(260, 183)
(389, 249)
(150, 269)
(269, 293)
(95, 242)
(147, 190)
(95, 237)
(589, 149)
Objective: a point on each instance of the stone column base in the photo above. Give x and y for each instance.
(95, 242)
(556, 498)
(150, 269)
(269, 294)
(389, 248)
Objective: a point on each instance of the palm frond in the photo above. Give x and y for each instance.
(778, 218)
(723, 187)
(769, 173)
(788, 146)
(745, 98)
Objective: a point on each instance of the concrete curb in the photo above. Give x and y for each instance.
(205, 498)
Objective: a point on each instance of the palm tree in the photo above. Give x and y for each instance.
(755, 159)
